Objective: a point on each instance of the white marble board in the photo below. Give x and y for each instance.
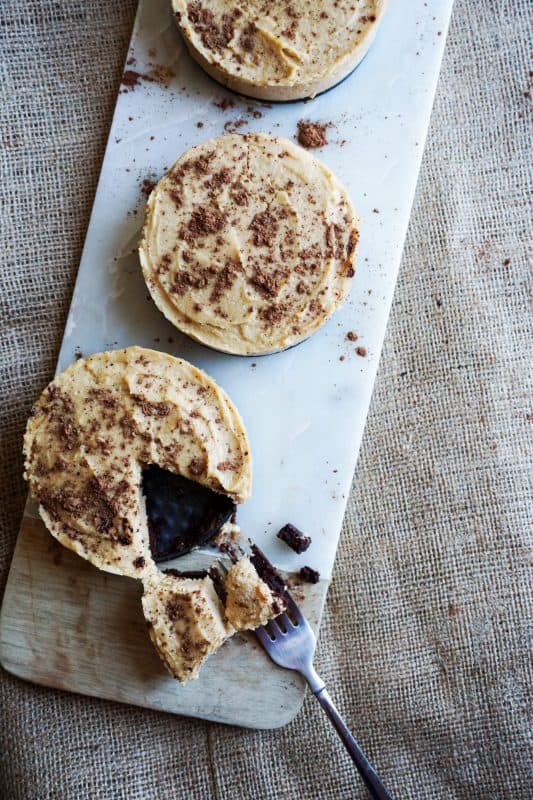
(305, 408)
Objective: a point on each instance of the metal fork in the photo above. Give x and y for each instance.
(290, 643)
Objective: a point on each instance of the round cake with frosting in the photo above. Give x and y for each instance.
(101, 422)
(249, 244)
(278, 50)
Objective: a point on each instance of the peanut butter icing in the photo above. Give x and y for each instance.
(188, 621)
(249, 243)
(278, 51)
(249, 601)
(100, 422)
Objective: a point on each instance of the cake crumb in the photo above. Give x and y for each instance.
(312, 135)
(309, 575)
(228, 535)
(224, 104)
(147, 186)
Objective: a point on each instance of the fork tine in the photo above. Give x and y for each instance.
(272, 629)
(293, 608)
(263, 636)
(285, 620)
(222, 567)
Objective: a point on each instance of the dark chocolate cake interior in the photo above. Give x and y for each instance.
(182, 514)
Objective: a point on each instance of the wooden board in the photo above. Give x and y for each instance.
(66, 624)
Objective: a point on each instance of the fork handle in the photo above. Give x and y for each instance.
(366, 770)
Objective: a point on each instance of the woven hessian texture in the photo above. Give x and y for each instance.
(425, 640)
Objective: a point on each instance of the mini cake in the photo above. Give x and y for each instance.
(188, 621)
(103, 420)
(278, 51)
(248, 244)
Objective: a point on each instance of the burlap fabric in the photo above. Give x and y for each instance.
(425, 635)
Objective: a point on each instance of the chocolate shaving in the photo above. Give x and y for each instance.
(185, 280)
(232, 550)
(175, 609)
(197, 466)
(264, 225)
(219, 178)
(203, 222)
(215, 36)
(247, 40)
(266, 283)
(225, 279)
(152, 409)
(272, 314)
(239, 195)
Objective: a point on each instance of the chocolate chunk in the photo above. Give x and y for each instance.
(272, 314)
(232, 550)
(264, 225)
(309, 575)
(294, 538)
(219, 582)
(267, 571)
(178, 573)
(203, 222)
(151, 409)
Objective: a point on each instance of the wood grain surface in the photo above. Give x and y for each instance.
(67, 625)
